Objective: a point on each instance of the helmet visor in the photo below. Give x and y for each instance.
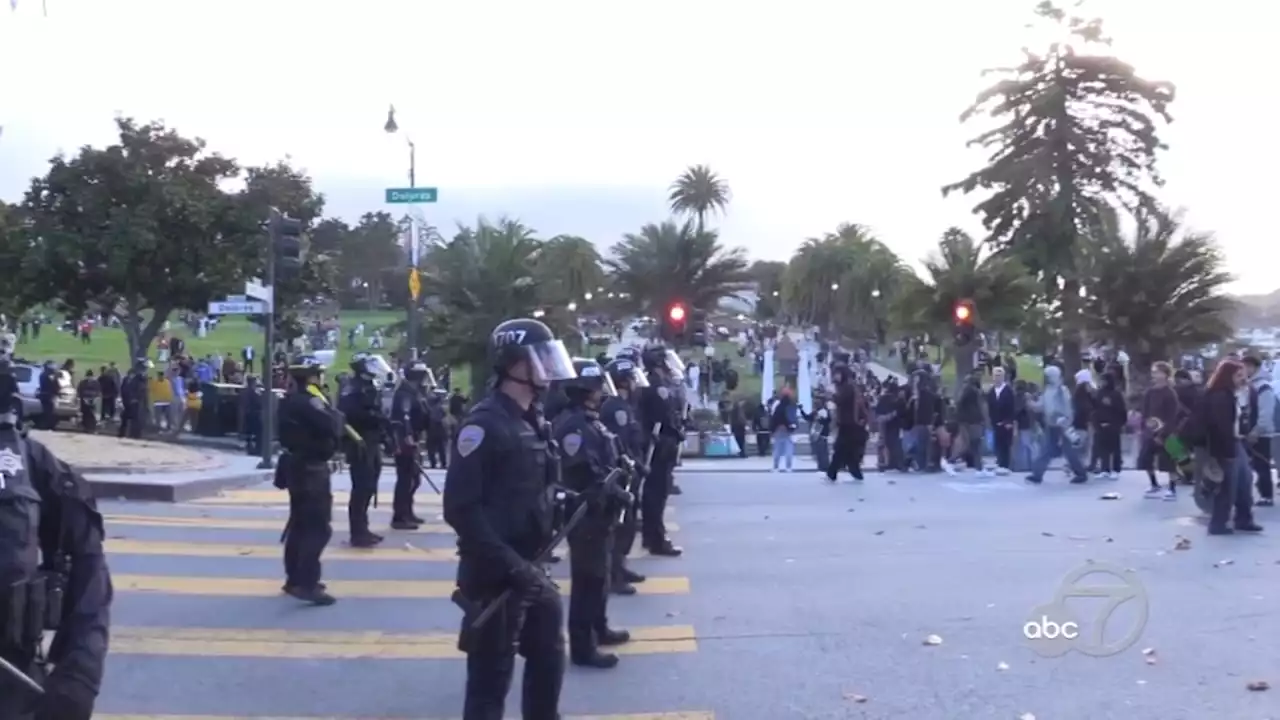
(675, 366)
(549, 361)
(606, 385)
(637, 378)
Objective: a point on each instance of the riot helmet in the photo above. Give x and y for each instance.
(590, 379)
(363, 367)
(626, 374)
(663, 359)
(526, 351)
(306, 369)
(417, 373)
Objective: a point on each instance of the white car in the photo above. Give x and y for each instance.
(28, 378)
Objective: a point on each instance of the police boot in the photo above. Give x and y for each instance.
(665, 549)
(317, 595)
(365, 540)
(405, 524)
(675, 490)
(593, 658)
(632, 576)
(619, 586)
(609, 637)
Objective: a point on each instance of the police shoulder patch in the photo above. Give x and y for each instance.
(664, 393)
(469, 438)
(621, 418)
(571, 443)
(10, 463)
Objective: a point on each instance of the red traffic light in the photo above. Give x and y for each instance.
(676, 313)
(964, 313)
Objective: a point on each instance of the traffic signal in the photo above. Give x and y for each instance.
(698, 329)
(675, 324)
(287, 244)
(963, 319)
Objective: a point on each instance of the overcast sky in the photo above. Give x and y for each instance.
(575, 115)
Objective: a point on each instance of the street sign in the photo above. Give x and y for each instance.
(256, 290)
(415, 284)
(237, 298)
(405, 196)
(237, 308)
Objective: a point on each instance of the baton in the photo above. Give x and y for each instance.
(578, 514)
(417, 462)
(21, 677)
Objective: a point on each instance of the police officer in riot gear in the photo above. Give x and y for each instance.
(588, 455)
(618, 414)
(498, 496)
(661, 426)
(361, 404)
(311, 432)
(409, 418)
(133, 400)
(53, 575)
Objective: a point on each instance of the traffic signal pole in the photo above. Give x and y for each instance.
(268, 435)
(411, 314)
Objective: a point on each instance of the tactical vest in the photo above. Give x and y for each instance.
(22, 595)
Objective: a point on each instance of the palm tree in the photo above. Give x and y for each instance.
(697, 192)
(767, 276)
(483, 276)
(845, 280)
(668, 263)
(1158, 294)
(963, 269)
(569, 266)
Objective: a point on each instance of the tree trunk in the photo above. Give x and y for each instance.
(964, 365)
(1071, 345)
(479, 381)
(138, 335)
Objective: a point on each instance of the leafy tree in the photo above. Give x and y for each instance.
(1078, 136)
(292, 192)
(844, 281)
(671, 262)
(17, 291)
(568, 267)
(767, 276)
(371, 258)
(142, 227)
(699, 192)
(962, 269)
(1160, 293)
(483, 276)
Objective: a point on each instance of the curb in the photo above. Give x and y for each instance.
(111, 488)
(211, 463)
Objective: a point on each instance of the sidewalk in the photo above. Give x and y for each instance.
(235, 471)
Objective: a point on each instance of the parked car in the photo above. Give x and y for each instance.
(66, 404)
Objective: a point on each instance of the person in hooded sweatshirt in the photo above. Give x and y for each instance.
(1082, 415)
(1109, 416)
(1055, 407)
(1264, 428)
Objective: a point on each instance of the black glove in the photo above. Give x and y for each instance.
(65, 699)
(532, 581)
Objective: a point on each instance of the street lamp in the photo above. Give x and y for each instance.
(587, 296)
(539, 313)
(835, 287)
(573, 307)
(875, 294)
(411, 313)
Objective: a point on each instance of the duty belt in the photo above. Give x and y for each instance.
(27, 608)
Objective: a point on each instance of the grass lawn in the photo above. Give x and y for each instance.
(232, 334)
(1029, 369)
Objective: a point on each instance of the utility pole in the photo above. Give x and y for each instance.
(411, 310)
(285, 250)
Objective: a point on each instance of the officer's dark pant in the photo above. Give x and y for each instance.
(532, 626)
(366, 468)
(48, 416)
(437, 456)
(590, 548)
(130, 422)
(310, 524)
(108, 407)
(653, 497)
(847, 451)
(624, 538)
(88, 416)
(407, 482)
(1260, 461)
(16, 699)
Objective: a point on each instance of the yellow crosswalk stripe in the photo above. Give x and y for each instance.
(698, 715)
(332, 645)
(280, 497)
(405, 552)
(245, 523)
(386, 589)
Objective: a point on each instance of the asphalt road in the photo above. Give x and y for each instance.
(795, 599)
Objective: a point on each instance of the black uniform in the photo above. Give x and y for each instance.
(408, 423)
(361, 405)
(498, 499)
(588, 456)
(310, 431)
(52, 576)
(619, 416)
(656, 411)
(46, 391)
(133, 401)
